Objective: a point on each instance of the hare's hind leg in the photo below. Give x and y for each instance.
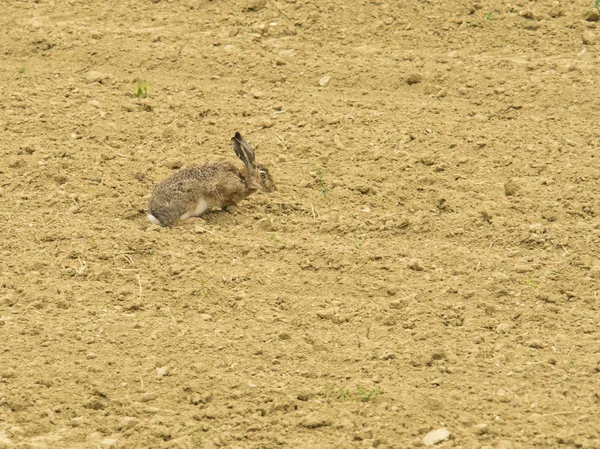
(196, 209)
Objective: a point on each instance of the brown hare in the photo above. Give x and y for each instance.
(192, 191)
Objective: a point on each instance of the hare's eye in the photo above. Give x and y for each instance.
(262, 175)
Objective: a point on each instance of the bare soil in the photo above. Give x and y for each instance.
(429, 260)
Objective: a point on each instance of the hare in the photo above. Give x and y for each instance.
(192, 191)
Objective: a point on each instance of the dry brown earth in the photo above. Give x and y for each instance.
(430, 259)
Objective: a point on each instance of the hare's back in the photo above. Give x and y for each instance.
(190, 179)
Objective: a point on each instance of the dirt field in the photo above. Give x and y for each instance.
(429, 260)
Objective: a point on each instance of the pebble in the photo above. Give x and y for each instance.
(94, 436)
(595, 271)
(324, 81)
(480, 429)
(206, 317)
(200, 398)
(436, 436)
(510, 187)
(108, 442)
(255, 5)
(8, 373)
(314, 421)
(503, 328)
(162, 371)
(415, 265)
(127, 422)
(147, 397)
(591, 15)
(535, 344)
(589, 38)
(95, 77)
(414, 78)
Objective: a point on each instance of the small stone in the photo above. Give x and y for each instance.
(326, 314)
(147, 397)
(436, 436)
(480, 429)
(535, 344)
(414, 78)
(95, 77)
(173, 164)
(510, 187)
(528, 14)
(591, 15)
(8, 373)
(206, 317)
(255, 5)
(595, 271)
(589, 38)
(162, 371)
(94, 103)
(60, 179)
(94, 436)
(212, 412)
(503, 328)
(108, 442)
(200, 398)
(324, 81)
(314, 421)
(415, 265)
(127, 422)
(78, 421)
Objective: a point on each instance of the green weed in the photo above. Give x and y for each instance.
(366, 395)
(489, 16)
(336, 393)
(597, 5)
(142, 90)
(530, 283)
(323, 187)
(203, 290)
(21, 70)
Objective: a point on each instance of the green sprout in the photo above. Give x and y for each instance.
(142, 90)
(324, 188)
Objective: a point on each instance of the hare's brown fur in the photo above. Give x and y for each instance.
(190, 192)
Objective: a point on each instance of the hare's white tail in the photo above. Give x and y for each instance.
(152, 219)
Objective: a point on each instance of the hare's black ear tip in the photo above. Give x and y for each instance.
(237, 136)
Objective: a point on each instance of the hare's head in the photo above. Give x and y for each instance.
(258, 174)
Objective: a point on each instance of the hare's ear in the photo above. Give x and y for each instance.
(242, 150)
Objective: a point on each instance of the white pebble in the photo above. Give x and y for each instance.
(324, 81)
(436, 436)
